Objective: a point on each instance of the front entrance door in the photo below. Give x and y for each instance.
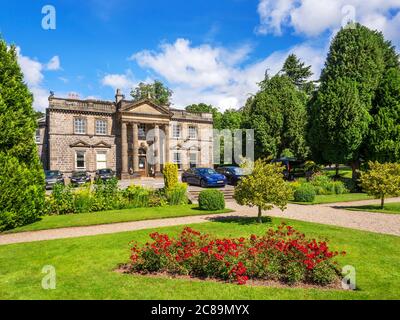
(143, 166)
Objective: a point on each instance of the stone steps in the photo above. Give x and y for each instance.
(228, 194)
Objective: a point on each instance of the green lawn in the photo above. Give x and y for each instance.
(115, 216)
(332, 198)
(390, 208)
(85, 267)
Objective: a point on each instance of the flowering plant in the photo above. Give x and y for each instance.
(283, 254)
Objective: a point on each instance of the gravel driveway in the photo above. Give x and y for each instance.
(331, 214)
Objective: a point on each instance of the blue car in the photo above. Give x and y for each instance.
(204, 177)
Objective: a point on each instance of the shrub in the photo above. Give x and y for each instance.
(170, 175)
(177, 194)
(263, 188)
(284, 255)
(305, 193)
(340, 188)
(211, 200)
(107, 195)
(381, 180)
(137, 196)
(83, 200)
(61, 200)
(21, 193)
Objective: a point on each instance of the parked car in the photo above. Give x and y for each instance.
(104, 174)
(232, 174)
(294, 168)
(79, 177)
(53, 177)
(204, 177)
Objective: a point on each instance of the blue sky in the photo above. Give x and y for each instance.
(205, 51)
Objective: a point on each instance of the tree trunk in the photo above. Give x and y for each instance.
(382, 202)
(337, 170)
(259, 219)
(355, 166)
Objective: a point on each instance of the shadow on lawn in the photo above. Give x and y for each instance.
(241, 220)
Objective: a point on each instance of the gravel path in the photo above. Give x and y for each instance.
(331, 214)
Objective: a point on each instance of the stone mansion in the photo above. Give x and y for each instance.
(133, 138)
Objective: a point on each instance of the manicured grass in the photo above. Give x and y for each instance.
(346, 197)
(390, 208)
(115, 216)
(85, 267)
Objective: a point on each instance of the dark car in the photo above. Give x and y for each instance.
(294, 168)
(232, 174)
(79, 177)
(204, 177)
(53, 177)
(104, 174)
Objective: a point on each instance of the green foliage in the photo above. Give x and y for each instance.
(206, 108)
(107, 195)
(177, 195)
(384, 136)
(305, 193)
(138, 196)
(264, 188)
(339, 122)
(278, 115)
(324, 185)
(298, 72)
(211, 200)
(156, 91)
(21, 175)
(21, 196)
(61, 200)
(345, 106)
(381, 180)
(170, 175)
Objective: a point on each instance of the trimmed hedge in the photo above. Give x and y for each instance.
(211, 200)
(305, 193)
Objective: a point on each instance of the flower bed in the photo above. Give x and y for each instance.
(283, 255)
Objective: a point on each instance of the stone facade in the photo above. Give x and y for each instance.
(134, 139)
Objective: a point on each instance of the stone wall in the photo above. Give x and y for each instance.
(63, 142)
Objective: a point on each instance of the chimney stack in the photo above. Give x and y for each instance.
(119, 96)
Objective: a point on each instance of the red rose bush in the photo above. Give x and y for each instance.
(284, 255)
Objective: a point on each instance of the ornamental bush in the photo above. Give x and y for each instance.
(177, 194)
(21, 193)
(305, 193)
(211, 200)
(170, 172)
(283, 254)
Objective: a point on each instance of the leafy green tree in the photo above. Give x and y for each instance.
(278, 116)
(340, 122)
(207, 108)
(381, 180)
(298, 72)
(21, 174)
(156, 91)
(357, 60)
(264, 188)
(384, 135)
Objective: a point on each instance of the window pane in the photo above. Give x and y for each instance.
(101, 127)
(176, 131)
(192, 132)
(80, 126)
(80, 160)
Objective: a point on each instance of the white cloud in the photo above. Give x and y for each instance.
(125, 82)
(54, 64)
(33, 75)
(216, 75)
(313, 17)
